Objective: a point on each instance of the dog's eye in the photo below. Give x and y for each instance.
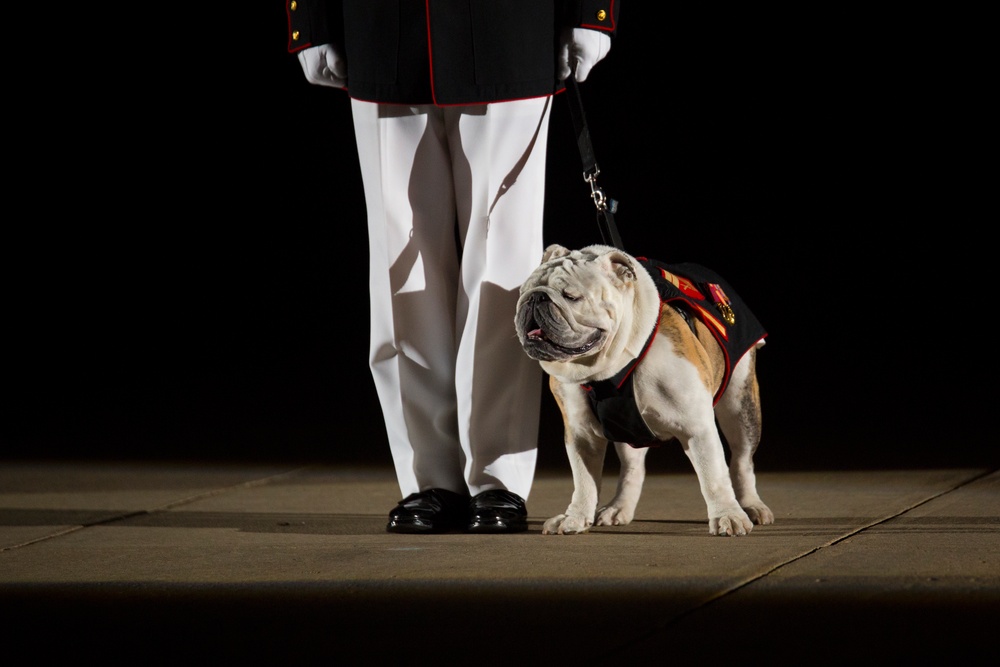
(571, 296)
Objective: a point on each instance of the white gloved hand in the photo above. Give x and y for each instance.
(579, 50)
(324, 65)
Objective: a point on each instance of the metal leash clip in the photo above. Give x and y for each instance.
(601, 201)
(606, 207)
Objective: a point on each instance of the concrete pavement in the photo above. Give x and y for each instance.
(164, 563)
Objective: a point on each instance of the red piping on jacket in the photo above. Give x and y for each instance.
(611, 15)
(430, 61)
(430, 51)
(291, 47)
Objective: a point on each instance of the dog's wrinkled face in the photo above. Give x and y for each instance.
(569, 307)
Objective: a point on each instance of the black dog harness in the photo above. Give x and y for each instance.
(693, 291)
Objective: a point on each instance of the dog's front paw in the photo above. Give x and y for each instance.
(562, 524)
(613, 515)
(730, 523)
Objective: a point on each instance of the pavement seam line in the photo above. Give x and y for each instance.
(263, 481)
(65, 531)
(757, 577)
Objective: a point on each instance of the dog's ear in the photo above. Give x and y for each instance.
(623, 266)
(553, 251)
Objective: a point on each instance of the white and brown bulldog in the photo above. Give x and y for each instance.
(640, 353)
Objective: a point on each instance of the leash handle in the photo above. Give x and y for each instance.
(606, 207)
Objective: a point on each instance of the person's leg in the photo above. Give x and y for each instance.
(498, 157)
(407, 180)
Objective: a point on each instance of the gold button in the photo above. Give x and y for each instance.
(295, 36)
(601, 14)
(294, 5)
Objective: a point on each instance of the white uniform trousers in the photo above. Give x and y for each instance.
(455, 200)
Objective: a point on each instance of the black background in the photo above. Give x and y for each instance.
(186, 254)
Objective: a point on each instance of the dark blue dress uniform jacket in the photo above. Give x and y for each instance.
(446, 52)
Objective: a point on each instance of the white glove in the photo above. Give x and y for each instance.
(579, 50)
(324, 65)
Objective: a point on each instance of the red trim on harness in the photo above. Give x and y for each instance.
(642, 355)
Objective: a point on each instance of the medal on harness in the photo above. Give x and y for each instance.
(722, 303)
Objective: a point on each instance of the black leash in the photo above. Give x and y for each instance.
(606, 207)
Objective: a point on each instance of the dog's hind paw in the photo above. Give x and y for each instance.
(562, 524)
(760, 514)
(613, 515)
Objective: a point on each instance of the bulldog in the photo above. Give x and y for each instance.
(642, 353)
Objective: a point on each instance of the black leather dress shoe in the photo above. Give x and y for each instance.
(431, 511)
(497, 511)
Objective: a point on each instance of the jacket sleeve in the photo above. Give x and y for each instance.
(599, 15)
(313, 22)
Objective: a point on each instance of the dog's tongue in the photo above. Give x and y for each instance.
(536, 333)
